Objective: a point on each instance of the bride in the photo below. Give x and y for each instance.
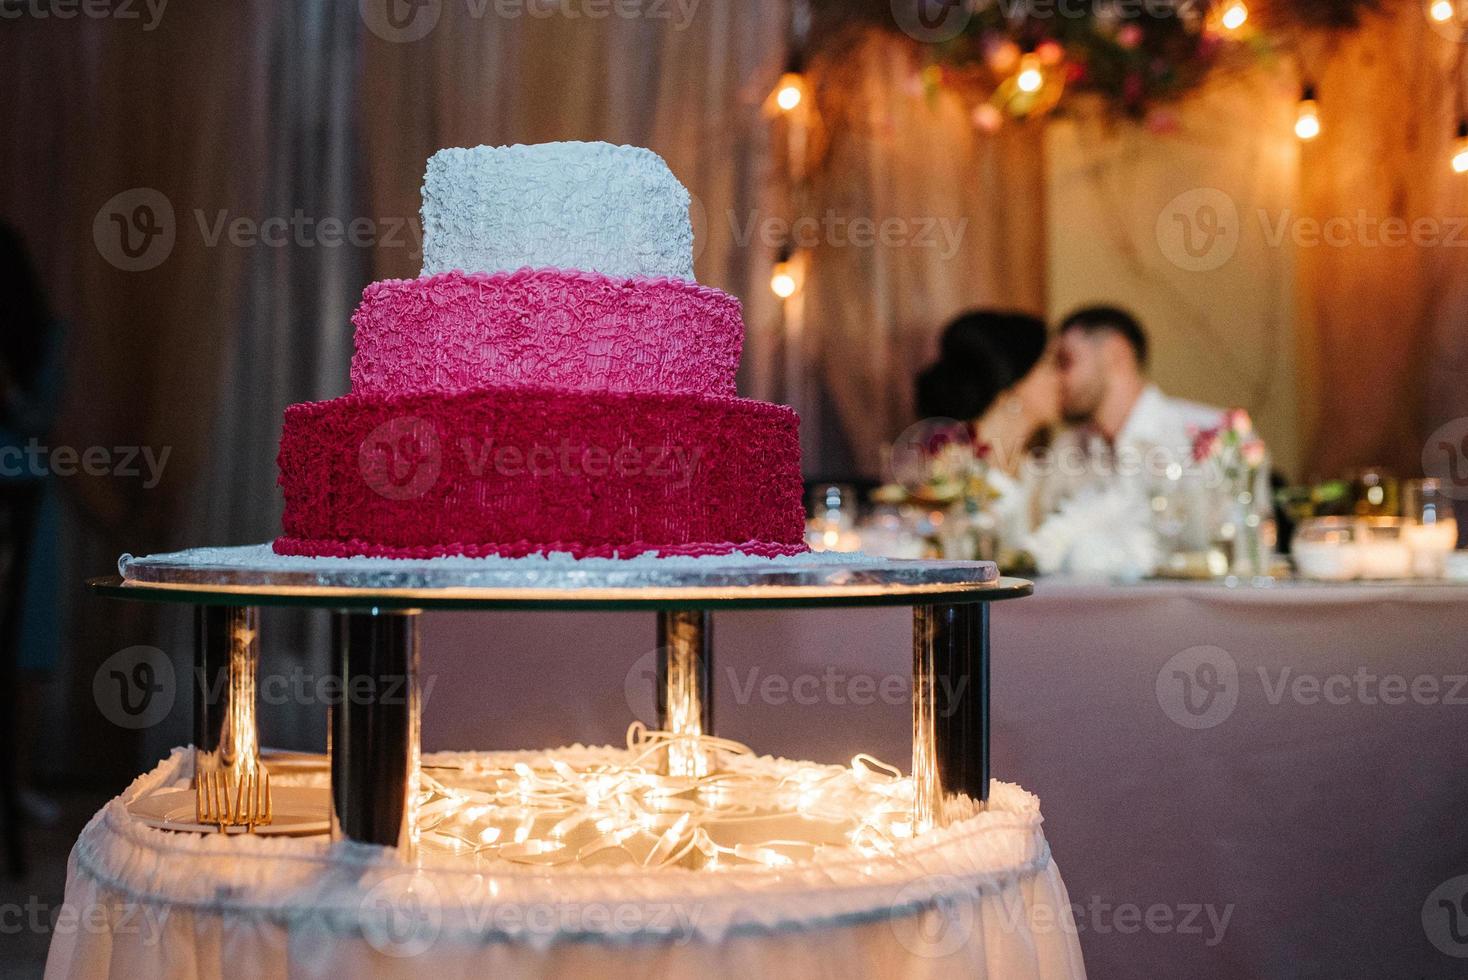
(995, 371)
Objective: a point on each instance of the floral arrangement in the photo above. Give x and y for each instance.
(1232, 448)
(939, 462)
(1023, 56)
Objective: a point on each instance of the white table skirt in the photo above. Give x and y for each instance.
(979, 899)
(1313, 826)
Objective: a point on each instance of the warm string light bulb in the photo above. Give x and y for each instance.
(1460, 148)
(1234, 16)
(1442, 11)
(785, 277)
(1307, 116)
(1030, 78)
(790, 91)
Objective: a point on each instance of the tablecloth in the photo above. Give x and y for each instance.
(981, 898)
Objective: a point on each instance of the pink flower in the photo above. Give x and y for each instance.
(1205, 445)
(1253, 453)
(1238, 420)
(1129, 36)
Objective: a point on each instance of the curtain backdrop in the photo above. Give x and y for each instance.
(215, 113)
(1388, 323)
(257, 110)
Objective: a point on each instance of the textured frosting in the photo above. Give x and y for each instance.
(519, 471)
(577, 331)
(617, 210)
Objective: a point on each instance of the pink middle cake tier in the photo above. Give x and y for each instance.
(553, 328)
(521, 471)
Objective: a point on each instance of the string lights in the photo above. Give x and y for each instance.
(786, 278)
(789, 91)
(1234, 16)
(620, 809)
(1031, 76)
(1307, 116)
(1442, 11)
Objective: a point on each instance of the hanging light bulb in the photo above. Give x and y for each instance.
(1030, 77)
(1234, 16)
(789, 91)
(1460, 148)
(1442, 11)
(1307, 116)
(785, 277)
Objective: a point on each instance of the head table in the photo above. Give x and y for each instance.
(1239, 780)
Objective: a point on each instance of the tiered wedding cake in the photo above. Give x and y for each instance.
(556, 381)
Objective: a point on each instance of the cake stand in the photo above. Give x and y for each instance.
(374, 605)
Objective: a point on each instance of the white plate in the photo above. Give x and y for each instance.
(298, 812)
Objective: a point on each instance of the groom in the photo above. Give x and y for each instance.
(1121, 424)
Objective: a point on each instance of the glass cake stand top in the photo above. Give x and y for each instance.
(256, 576)
(374, 605)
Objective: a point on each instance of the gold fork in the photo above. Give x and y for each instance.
(249, 806)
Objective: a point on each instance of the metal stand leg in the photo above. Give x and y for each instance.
(950, 708)
(226, 661)
(685, 686)
(374, 729)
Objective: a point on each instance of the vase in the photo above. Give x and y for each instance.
(1244, 537)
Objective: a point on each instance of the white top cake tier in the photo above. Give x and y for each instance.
(617, 210)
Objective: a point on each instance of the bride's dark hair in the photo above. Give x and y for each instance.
(982, 353)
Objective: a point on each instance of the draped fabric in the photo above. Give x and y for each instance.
(1388, 316)
(255, 110)
(224, 114)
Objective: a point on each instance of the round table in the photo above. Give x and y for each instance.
(968, 889)
(979, 898)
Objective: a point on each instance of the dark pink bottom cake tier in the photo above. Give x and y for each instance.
(514, 472)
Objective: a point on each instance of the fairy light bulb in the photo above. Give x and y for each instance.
(1460, 148)
(1030, 78)
(1442, 11)
(785, 277)
(1234, 16)
(1307, 116)
(790, 91)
